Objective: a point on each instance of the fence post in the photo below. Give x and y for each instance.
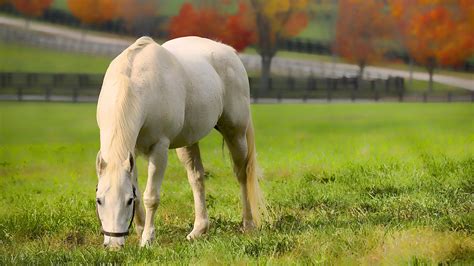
(399, 86)
(75, 94)
(353, 90)
(20, 94)
(402, 86)
(328, 89)
(472, 96)
(387, 84)
(425, 97)
(291, 83)
(48, 93)
(450, 96)
(309, 87)
(253, 89)
(374, 90)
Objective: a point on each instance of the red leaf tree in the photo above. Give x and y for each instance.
(232, 29)
(137, 14)
(436, 33)
(260, 22)
(361, 29)
(94, 11)
(31, 8)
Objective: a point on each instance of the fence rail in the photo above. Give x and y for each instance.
(86, 87)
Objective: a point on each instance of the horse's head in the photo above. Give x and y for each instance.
(115, 199)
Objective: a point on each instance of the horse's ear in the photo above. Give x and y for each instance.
(100, 165)
(129, 163)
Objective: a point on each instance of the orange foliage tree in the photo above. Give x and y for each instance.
(31, 8)
(436, 33)
(94, 11)
(276, 19)
(361, 29)
(136, 12)
(232, 29)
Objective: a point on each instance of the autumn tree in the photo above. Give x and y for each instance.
(436, 33)
(206, 21)
(203, 22)
(31, 8)
(260, 22)
(274, 20)
(138, 15)
(93, 11)
(361, 29)
(240, 28)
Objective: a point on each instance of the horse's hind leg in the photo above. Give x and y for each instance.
(191, 158)
(235, 138)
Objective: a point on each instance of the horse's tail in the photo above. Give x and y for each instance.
(254, 193)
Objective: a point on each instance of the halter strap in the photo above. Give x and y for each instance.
(117, 234)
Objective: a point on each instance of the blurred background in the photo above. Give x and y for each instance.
(294, 50)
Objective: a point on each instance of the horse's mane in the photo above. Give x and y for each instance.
(122, 114)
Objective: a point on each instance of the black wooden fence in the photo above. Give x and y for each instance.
(86, 87)
(347, 88)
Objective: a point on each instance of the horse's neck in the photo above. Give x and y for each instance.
(115, 148)
(119, 124)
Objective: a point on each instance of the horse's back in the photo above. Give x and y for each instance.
(224, 60)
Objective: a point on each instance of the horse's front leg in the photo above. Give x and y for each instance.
(191, 158)
(139, 212)
(157, 161)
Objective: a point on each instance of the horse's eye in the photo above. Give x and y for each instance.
(129, 202)
(98, 201)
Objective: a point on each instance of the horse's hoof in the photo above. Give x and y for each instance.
(146, 243)
(194, 235)
(248, 226)
(147, 238)
(198, 231)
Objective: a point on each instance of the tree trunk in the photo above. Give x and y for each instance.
(27, 23)
(83, 32)
(430, 84)
(265, 73)
(361, 70)
(431, 66)
(411, 73)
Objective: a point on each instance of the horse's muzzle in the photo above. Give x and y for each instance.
(114, 243)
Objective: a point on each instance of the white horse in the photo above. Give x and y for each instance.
(156, 98)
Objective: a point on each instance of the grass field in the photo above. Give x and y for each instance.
(24, 58)
(346, 184)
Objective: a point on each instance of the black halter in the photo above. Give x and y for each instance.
(115, 234)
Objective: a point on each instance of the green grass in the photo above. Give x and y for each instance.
(22, 58)
(346, 184)
(60, 4)
(318, 29)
